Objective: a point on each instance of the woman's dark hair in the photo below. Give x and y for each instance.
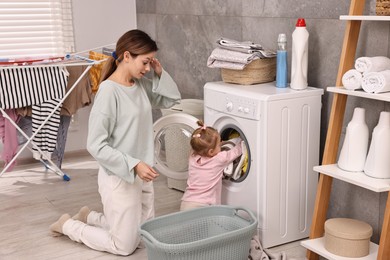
(136, 42)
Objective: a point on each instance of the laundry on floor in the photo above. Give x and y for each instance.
(257, 252)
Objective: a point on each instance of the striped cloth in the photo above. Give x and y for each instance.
(39, 87)
(22, 87)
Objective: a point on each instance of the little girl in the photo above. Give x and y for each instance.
(205, 168)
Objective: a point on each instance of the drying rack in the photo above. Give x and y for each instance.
(69, 60)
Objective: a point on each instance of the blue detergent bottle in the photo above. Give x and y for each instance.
(281, 62)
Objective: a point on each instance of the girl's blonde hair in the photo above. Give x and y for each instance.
(203, 139)
(136, 42)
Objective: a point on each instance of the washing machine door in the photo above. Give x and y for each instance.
(172, 135)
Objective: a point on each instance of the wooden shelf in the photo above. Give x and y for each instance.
(329, 169)
(356, 178)
(360, 93)
(317, 245)
(364, 18)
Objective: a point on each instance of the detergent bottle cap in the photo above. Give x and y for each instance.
(282, 38)
(301, 22)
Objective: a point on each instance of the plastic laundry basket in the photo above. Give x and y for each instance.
(208, 233)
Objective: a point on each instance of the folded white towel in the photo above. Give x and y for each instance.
(372, 64)
(223, 58)
(352, 79)
(376, 82)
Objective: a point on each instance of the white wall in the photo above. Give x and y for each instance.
(96, 23)
(101, 22)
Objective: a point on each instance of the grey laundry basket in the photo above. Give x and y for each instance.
(208, 233)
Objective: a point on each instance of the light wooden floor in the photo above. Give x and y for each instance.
(31, 199)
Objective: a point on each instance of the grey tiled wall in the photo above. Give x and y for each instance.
(186, 31)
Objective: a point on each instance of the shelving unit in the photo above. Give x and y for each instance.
(317, 246)
(329, 169)
(360, 93)
(364, 18)
(357, 178)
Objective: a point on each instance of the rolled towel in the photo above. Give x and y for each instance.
(372, 64)
(352, 79)
(376, 82)
(223, 58)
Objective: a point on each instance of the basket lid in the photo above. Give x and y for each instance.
(348, 228)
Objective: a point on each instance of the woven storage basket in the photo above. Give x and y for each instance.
(209, 233)
(258, 71)
(347, 237)
(382, 7)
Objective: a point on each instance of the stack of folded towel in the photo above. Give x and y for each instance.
(231, 54)
(372, 74)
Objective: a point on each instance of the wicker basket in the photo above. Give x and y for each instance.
(208, 233)
(258, 71)
(382, 7)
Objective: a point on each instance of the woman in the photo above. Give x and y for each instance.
(120, 138)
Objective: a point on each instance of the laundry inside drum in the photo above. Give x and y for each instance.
(239, 168)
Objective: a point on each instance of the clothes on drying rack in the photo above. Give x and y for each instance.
(81, 96)
(78, 98)
(8, 137)
(41, 87)
(94, 73)
(26, 86)
(25, 123)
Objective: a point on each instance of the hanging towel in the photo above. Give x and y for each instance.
(227, 59)
(372, 64)
(376, 82)
(352, 79)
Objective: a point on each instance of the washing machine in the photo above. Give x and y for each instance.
(281, 130)
(172, 136)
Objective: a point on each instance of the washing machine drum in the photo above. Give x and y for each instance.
(172, 135)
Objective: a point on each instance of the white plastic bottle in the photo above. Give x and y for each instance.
(299, 60)
(354, 151)
(378, 158)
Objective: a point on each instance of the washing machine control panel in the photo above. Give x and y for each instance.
(232, 104)
(241, 106)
